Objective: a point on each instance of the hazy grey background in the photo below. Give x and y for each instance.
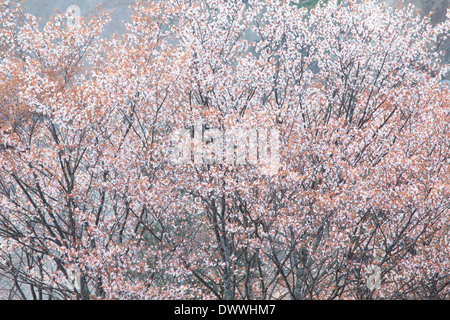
(119, 8)
(121, 11)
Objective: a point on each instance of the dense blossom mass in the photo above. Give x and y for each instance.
(92, 205)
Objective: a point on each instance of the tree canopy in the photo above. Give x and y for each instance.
(94, 205)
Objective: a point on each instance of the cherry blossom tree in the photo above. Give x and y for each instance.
(95, 205)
